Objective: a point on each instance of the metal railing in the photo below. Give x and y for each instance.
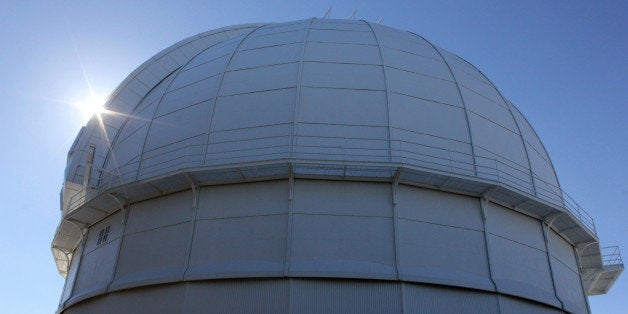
(501, 170)
(611, 256)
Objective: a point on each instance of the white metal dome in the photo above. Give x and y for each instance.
(329, 100)
(320, 90)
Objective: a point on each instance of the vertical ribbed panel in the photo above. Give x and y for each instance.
(344, 296)
(566, 274)
(72, 273)
(435, 299)
(342, 229)
(286, 295)
(441, 238)
(518, 258)
(240, 231)
(154, 249)
(155, 299)
(240, 296)
(514, 305)
(98, 260)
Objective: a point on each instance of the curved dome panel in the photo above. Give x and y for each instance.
(330, 90)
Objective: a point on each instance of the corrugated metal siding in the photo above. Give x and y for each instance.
(438, 299)
(344, 296)
(510, 305)
(300, 295)
(165, 299)
(238, 296)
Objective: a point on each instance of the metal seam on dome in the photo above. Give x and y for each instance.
(395, 183)
(297, 103)
(381, 55)
(139, 166)
(222, 77)
(525, 149)
(549, 158)
(125, 122)
(288, 252)
(464, 106)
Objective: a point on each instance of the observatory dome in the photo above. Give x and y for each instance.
(264, 166)
(352, 92)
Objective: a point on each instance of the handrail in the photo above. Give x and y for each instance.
(505, 172)
(611, 256)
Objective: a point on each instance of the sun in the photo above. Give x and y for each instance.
(94, 105)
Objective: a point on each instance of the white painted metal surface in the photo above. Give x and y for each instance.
(318, 90)
(316, 148)
(328, 229)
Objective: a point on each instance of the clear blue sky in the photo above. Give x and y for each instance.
(563, 63)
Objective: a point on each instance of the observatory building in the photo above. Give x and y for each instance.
(318, 166)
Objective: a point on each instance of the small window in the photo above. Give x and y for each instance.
(103, 235)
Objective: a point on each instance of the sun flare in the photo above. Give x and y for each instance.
(91, 106)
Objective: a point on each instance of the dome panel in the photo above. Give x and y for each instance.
(414, 63)
(336, 89)
(339, 25)
(282, 27)
(428, 117)
(253, 109)
(407, 42)
(189, 94)
(259, 79)
(273, 39)
(342, 53)
(260, 57)
(423, 87)
(343, 76)
(341, 36)
(489, 110)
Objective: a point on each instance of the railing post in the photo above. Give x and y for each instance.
(451, 167)
(499, 179)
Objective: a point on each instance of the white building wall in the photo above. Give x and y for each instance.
(328, 229)
(566, 274)
(240, 231)
(156, 241)
(70, 279)
(440, 238)
(98, 261)
(342, 229)
(519, 262)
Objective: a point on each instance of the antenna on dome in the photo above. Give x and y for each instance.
(353, 14)
(327, 13)
(380, 20)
